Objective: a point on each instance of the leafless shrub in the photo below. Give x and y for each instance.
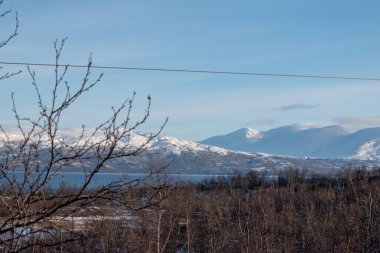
(27, 203)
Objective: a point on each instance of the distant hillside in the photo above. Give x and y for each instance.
(325, 142)
(188, 157)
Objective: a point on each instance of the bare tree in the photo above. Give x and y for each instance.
(7, 39)
(30, 208)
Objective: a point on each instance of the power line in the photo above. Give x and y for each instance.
(199, 71)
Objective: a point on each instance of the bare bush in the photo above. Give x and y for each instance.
(29, 208)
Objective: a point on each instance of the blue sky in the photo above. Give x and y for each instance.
(304, 37)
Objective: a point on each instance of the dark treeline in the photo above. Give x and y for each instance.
(244, 213)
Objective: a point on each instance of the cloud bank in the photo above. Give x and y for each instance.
(359, 121)
(297, 106)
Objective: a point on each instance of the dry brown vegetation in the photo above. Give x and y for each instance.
(241, 214)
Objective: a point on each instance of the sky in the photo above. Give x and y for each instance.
(332, 38)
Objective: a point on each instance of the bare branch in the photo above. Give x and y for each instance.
(15, 31)
(8, 39)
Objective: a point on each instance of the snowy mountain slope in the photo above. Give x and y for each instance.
(369, 151)
(325, 142)
(186, 157)
(235, 140)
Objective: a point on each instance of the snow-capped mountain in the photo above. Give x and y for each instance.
(293, 140)
(189, 157)
(195, 158)
(369, 150)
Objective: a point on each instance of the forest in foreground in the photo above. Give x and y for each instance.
(244, 213)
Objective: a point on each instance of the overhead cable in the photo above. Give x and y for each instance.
(200, 71)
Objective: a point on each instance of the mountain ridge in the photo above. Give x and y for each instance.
(319, 142)
(189, 157)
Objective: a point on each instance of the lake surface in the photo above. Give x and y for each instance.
(75, 179)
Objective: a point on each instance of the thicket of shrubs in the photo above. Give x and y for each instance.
(245, 213)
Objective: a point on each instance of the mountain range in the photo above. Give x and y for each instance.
(291, 146)
(325, 142)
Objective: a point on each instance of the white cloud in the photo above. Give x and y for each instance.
(359, 121)
(308, 125)
(296, 106)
